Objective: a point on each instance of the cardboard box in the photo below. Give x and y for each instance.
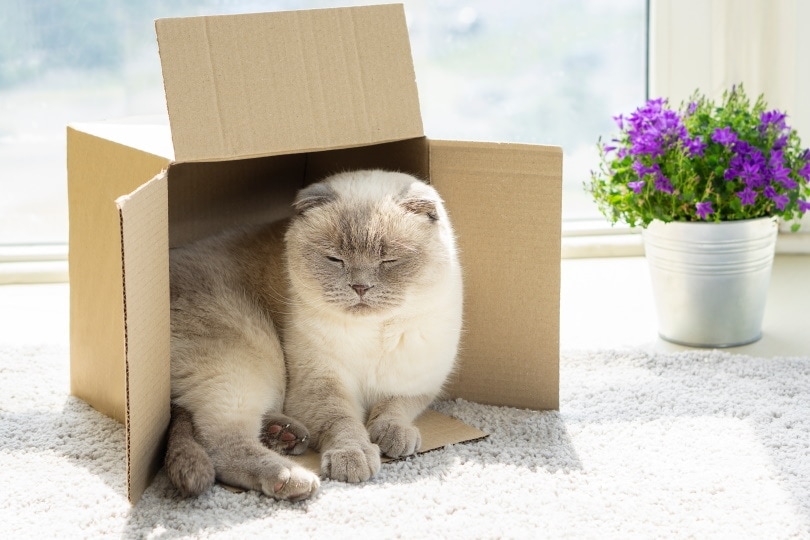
(259, 106)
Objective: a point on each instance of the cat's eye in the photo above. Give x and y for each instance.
(334, 259)
(389, 262)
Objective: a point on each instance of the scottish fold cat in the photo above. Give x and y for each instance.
(375, 302)
(347, 319)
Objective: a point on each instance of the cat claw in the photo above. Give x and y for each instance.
(285, 437)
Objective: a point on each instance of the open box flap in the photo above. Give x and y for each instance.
(145, 254)
(505, 203)
(275, 83)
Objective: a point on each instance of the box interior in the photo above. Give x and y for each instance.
(208, 197)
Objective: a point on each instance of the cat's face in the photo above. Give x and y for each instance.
(364, 244)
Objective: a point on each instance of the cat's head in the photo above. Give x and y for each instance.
(364, 242)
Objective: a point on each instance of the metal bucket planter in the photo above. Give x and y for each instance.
(710, 280)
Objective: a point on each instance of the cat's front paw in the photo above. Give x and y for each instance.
(285, 435)
(395, 439)
(293, 484)
(352, 463)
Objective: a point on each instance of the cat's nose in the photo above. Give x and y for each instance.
(361, 289)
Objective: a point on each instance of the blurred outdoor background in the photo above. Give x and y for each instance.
(542, 71)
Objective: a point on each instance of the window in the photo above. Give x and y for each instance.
(549, 71)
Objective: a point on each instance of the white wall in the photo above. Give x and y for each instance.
(713, 44)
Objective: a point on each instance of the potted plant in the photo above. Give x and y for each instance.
(707, 182)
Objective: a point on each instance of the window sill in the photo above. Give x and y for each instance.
(597, 239)
(33, 264)
(48, 263)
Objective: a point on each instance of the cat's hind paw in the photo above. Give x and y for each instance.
(352, 463)
(396, 440)
(189, 468)
(284, 435)
(293, 484)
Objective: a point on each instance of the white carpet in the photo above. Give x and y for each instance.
(691, 445)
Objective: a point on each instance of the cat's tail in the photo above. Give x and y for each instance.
(187, 463)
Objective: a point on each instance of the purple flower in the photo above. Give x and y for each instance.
(636, 186)
(609, 149)
(695, 146)
(782, 176)
(743, 148)
(774, 118)
(780, 143)
(642, 170)
(779, 199)
(747, 196)
(804, 206)
(734, 166)
(653, 129)
(748, 164)
(619, 119)
(690, 110)
(778, 171)
(662, 183)
(804, 172)
(724, 136)
(649, 143)
(751, 173)
(704, 209)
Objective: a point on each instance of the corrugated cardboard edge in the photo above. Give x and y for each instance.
(143, 218)
(99, 171)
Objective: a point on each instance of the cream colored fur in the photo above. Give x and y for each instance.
(228, 373)
(360, 375)
(365, 289)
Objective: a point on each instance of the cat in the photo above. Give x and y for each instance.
(364, 286)
(375, 315)
(228, 377)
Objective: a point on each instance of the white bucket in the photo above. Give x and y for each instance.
(710, 280)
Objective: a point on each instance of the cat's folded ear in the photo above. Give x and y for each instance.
(421, 199)
(313, 196)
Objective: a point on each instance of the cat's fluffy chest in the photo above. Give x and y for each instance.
(408, 354)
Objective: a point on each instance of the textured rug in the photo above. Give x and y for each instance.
(688, 445)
